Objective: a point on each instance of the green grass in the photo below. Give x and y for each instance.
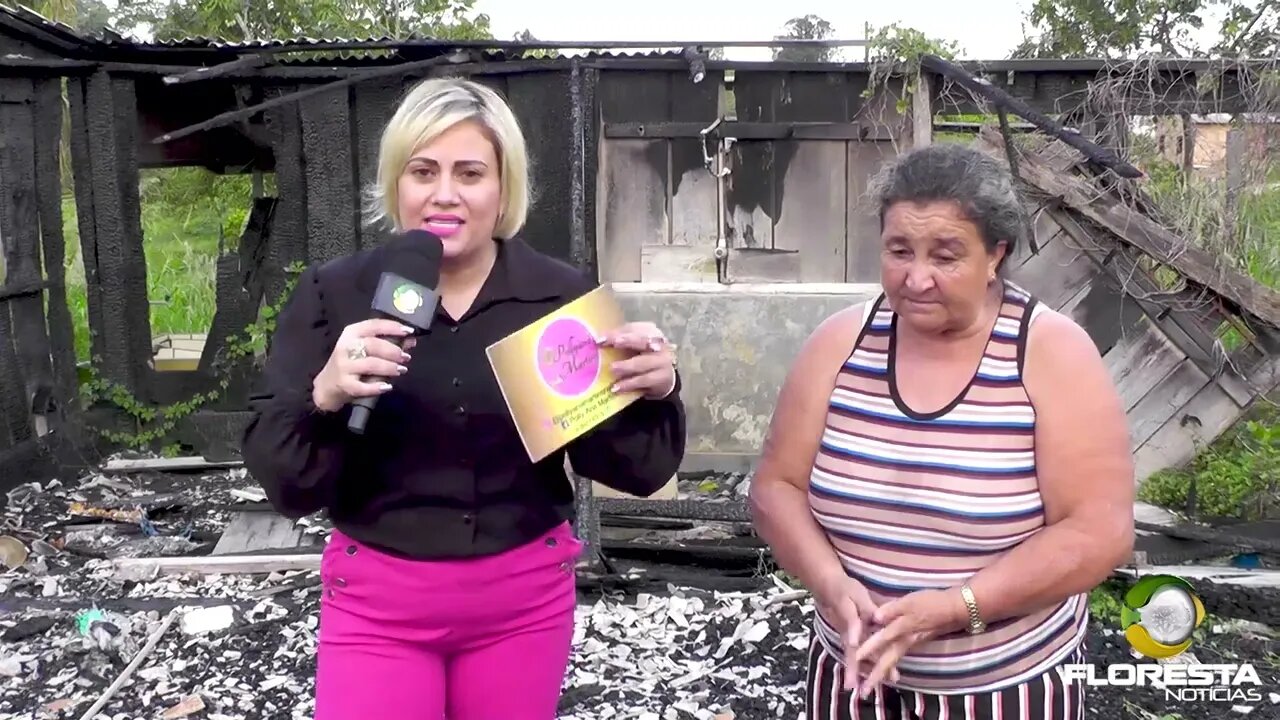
(186, 214)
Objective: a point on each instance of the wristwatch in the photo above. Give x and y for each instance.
(976, 625)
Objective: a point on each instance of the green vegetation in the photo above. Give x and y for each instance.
(1105, 602)
(188, 214)
(1235, 477)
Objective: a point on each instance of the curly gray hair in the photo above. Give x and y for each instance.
(978, 183)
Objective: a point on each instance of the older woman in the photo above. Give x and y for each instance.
(947, 470)
(448, 582)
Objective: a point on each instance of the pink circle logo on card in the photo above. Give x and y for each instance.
(568, 358)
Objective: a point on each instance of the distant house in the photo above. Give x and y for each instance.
(1209, 133)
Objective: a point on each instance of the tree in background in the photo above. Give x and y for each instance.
(87, 16)
(807, 27)
(1130, 28)
(239, 20)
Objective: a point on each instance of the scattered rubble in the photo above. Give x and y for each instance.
(77, 635)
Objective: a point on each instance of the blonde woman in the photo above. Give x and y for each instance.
(448, 582)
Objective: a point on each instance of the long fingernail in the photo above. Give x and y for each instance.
(402, 369)
(405, 357)
(384, 386)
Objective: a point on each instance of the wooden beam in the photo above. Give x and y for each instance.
(247, 62)
(174, 464)
(1009, 103)
(922, 111)
(143, 568)
(738, 130)
(231, 116)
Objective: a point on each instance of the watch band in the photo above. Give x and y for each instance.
(976, 625)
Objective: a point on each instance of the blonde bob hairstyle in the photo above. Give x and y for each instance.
(428, 110)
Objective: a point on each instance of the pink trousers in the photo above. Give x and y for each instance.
(480, 639)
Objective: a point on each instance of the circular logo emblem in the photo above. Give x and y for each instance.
(1160, 614)
(407, 299)
(568, 358)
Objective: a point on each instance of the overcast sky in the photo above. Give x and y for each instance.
(984, 29)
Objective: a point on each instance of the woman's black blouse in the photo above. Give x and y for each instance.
(440, 471)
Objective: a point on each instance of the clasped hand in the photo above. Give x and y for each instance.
(363, 360)
(875, 638)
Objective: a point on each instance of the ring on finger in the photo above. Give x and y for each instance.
(357, 351)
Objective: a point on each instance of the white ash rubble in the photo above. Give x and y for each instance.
(685, 654)
(243, 646)
(689, 654)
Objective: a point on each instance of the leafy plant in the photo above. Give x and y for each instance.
(1234, 478)
(894, 50)
(1105, 603)
(155, 424)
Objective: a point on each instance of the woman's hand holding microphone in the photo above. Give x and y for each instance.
(359, 359)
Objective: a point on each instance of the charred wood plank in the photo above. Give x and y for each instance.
(329, 170)
(82, 162)
(231, 116)
(288, 229)
(247, 62)
(16, 422)
(104, 146)
(48, 169)
(1009, 103)
(372, 107)
(23, 289)
(20, 230)
(676, 509)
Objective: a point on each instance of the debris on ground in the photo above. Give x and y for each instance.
(653, 641)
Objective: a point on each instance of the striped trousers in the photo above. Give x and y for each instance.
(1046, 697)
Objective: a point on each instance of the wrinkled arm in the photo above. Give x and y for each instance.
(779, 495)
(1086, 475)
(636, 451)
(293, 449)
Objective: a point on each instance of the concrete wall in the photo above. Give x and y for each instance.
(736, 344)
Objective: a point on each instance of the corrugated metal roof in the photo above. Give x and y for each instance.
(41, 29)
(27, 15)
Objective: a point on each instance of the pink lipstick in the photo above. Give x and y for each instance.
(444, 226)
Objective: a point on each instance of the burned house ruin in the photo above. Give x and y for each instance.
(712, 195)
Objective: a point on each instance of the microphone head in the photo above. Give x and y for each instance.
(416, 256)
(411, 271)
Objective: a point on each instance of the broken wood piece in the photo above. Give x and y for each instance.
(125, 674)
(256, 531)
(194, 462)
(148, 502)
(131, 515)
(251, 495)
(215, 565)
(1210, 573)
(190, 705)
(1187, 531)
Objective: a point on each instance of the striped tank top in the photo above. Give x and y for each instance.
(913, 501)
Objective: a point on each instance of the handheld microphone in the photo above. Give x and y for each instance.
(407, 295)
